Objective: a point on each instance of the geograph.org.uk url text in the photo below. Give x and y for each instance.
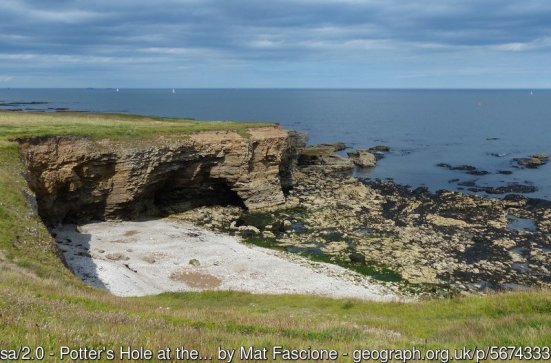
(493, 353)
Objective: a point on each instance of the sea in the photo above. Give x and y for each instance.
(432, 134)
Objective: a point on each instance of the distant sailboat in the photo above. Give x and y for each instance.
(117, 90)
(531, 93)
(173, 90)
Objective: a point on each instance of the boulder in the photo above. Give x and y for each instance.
(251, 229)
(534, 161)
(324, 156)
(356, 257)
(248, 231)
(363, 158)
(194, 262)
(531, 162)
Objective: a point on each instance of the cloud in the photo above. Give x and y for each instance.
(23, 10)
(332, 35)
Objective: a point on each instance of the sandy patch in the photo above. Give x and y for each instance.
(196, 279)
(167, 255)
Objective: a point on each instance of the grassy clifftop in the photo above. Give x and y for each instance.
(42, 303)
(113, 126)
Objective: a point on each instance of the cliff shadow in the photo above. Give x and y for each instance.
(75, 248)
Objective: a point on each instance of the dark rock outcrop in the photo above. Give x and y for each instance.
(380, 148)
(469, 169)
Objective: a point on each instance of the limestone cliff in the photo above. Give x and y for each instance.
(77, 179)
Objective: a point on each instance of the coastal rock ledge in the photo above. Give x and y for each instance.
(78, 179)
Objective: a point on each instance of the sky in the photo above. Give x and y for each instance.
(276, 43)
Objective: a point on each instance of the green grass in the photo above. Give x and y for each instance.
(370, 268)
(45, 311)
(42, 303)
(263, 242)
(112, 126)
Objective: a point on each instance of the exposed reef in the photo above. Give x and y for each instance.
(416, 241)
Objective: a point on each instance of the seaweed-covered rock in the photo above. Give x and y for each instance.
(380, 148)
(469, 169)
(534, 161)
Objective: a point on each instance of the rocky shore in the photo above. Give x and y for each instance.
(414, 241)
(265, 186)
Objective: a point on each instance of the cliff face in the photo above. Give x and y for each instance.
(76, 179)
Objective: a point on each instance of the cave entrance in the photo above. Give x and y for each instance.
(176, 196)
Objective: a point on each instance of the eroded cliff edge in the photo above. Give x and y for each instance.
(78, 179)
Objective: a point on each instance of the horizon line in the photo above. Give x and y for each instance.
(296, 88)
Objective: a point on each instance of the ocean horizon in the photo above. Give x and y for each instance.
(467, 140)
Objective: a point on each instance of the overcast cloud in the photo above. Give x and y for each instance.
(276, 43)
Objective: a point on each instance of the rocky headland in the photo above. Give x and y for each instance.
(271, 190)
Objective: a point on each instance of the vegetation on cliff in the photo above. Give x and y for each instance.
(112, 126)
(44, 304)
